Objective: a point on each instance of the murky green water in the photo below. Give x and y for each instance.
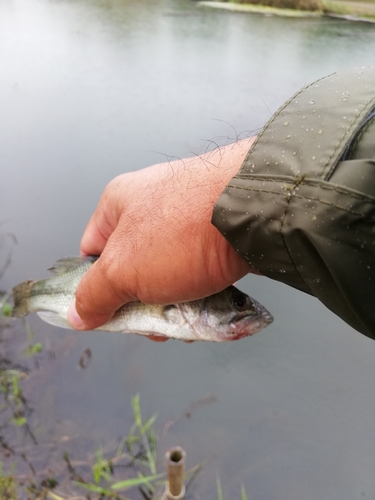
(91, 89)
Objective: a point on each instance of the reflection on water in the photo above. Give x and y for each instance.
(90, 89)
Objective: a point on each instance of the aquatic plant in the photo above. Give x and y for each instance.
(140, 444)
(307, 5)
(219, 490)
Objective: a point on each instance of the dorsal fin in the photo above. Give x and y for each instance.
(63, 265)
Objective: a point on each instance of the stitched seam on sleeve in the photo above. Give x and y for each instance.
(359, 137)
(336, 188)
(289, 197)
(347, 131)
(275, 115)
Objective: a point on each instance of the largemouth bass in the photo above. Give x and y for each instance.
(227, 315)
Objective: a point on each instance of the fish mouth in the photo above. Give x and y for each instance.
(244, 326)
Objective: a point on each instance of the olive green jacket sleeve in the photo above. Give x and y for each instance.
(301, 209)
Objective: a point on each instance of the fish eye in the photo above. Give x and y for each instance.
(240, 301)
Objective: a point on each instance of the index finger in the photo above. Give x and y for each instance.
(94, 239)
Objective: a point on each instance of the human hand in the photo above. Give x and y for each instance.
(153, 232)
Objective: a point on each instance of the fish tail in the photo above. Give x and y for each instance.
(21, 294)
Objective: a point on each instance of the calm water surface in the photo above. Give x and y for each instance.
(91, 89)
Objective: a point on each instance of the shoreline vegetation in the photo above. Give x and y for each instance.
(353, 10)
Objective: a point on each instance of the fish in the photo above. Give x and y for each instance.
(223, 316)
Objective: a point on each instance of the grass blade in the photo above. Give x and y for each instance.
(136, 481)
(219, 490)
(243, 493)
(54, 496)
(95, 488)
(147, 425)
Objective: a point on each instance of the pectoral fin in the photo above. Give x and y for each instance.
(54, 319)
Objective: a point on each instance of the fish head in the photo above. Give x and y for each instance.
(232, 315)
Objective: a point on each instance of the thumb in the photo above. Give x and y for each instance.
(96, 298)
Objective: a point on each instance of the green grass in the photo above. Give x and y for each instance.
(219, 490)
(356, 9)
(303, 5)
(8, 486)
(353, 8)
(138, 448)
